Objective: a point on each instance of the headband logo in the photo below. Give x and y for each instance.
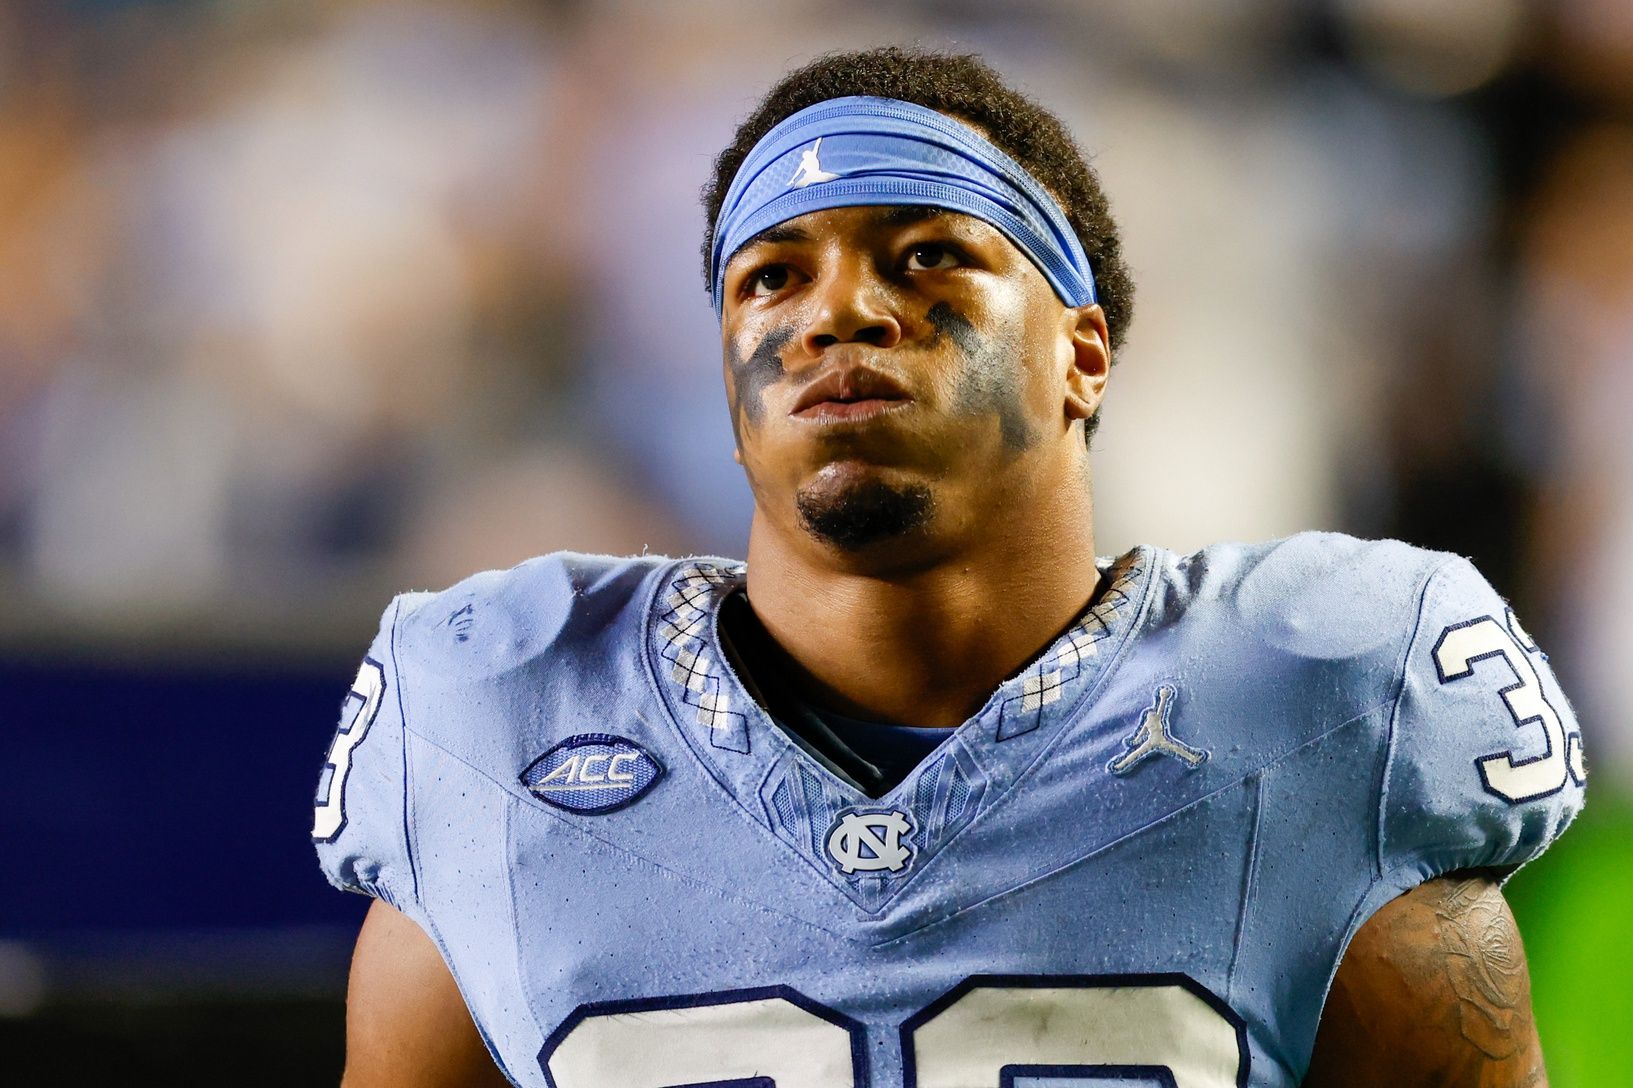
(810, 170)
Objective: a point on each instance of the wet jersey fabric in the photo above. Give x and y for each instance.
(1139, 862)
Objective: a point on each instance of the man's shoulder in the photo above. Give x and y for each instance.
(538, 603)
(1299, 634)
(1307, 558)
(1316, 594)
(518, 628)
(463, 681)
(479, 666)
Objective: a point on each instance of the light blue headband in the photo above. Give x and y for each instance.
(857, 150)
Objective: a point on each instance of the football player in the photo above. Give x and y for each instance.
(925, 794)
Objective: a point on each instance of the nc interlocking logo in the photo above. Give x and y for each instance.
(870, 842)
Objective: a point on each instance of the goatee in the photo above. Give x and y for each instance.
(856, 515)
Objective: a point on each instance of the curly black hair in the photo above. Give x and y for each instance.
(963, 86)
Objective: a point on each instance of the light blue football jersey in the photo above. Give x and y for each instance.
(1140, 862)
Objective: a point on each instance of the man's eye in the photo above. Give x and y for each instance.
(769, 280)
(929, 257)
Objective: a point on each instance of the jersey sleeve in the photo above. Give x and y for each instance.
(1485, 757)
(360, 815)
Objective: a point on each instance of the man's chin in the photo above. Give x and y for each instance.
(852, 507)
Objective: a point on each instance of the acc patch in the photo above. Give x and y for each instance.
(592, 773)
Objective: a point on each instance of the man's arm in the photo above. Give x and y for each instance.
(1433, 992)
(406, 1024)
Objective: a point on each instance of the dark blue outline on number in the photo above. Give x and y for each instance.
(856, 1030)
(606, 740)
(1521, 635)
(1161, 1075)
(347, 731)
(1542, 693)
(1088, 982)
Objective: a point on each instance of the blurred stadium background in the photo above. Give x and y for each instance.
(305, 303)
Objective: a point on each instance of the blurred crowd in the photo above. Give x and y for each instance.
(305, 303)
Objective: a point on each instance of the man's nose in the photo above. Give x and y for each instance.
(850, 305)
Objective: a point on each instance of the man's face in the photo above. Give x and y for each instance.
(892, 371)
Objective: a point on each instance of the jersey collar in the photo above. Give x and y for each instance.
(783, 787)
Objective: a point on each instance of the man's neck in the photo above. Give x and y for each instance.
(926, 646)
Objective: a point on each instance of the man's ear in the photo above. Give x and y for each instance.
(1090, 343)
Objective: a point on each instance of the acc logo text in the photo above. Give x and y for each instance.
(592, 773)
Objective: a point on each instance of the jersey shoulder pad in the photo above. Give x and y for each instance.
(490, 620)
(508, 635)
(1287, 639)
(1485, 762)
(1315, 594)
(1321, 617)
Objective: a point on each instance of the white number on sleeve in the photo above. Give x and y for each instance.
(329, 816)
(1514, 780)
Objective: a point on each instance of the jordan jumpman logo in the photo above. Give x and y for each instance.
(1152, 738)
(810, 168)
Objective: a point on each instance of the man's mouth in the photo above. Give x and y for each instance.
(850, 394)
